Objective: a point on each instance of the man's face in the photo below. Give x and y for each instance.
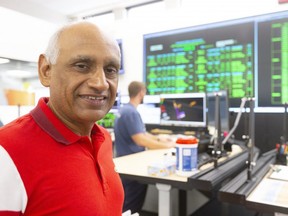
(83, 82)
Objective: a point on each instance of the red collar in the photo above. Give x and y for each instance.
(49, 122)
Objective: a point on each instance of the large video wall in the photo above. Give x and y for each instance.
(248, 57)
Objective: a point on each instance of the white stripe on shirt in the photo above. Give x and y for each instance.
(13, 195)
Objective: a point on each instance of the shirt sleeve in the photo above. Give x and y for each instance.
(134, 123)
(13, 198)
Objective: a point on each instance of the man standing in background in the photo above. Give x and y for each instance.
(132, 137)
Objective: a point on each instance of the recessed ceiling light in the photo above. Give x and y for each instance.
(4, 60)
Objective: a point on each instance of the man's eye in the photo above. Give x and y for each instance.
(81, 66)
(111, 70)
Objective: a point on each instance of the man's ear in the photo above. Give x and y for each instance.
(44, 71)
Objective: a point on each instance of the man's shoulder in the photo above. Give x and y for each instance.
(127, 108)
(22, 126)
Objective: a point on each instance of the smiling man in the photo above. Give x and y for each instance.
(56, 160)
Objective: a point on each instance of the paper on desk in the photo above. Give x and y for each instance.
(280, 172)
(280, 214)
(267, 192)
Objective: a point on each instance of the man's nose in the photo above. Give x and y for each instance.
(98, 79)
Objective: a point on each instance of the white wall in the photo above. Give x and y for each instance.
(23, 37)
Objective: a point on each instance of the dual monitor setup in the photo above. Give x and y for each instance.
(192, 110)
(183, 68)
(246, 56)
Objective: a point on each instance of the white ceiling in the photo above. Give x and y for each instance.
(58, 11)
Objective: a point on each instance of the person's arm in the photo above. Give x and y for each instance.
(152, 142)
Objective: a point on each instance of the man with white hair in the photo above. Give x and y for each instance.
(55, 160)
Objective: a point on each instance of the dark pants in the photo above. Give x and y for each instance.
(134, 195)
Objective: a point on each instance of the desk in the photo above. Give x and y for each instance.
(261, 193)
(270, 195)
(134, 167)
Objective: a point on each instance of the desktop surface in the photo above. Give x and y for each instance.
(271, 193)
(135, 166)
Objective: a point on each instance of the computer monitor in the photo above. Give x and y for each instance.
(124, 99)
(202, 58)
(109, 119)
(150, 109)
(188, 110)
(224, 110)
(120, 43)
(117, 102)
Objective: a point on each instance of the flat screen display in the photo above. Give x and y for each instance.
(223, 107)
(109, 119)
(247, 56)
(183, 109)
(120, 43)
(201, 59)
(272, 61)
(150, 110)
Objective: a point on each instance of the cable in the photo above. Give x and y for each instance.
(243, 102)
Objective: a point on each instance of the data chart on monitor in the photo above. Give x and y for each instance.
(201, 60)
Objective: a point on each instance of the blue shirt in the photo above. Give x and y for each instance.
(127, 124)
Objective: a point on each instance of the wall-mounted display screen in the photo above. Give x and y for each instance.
(248, 57)
(272, 62)
(117, 102)
(201, 60)
(183, 109)
(109, 119)
(120, 43)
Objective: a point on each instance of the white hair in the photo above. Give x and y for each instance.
(52, 50)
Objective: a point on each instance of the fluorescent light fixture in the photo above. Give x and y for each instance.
(3, 60)
(20, 74)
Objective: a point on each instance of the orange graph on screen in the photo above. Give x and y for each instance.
(180, 114)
